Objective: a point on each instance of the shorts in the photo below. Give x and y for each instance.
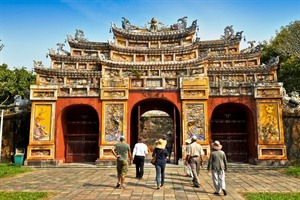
(122, 167)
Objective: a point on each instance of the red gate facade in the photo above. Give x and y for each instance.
(156, 63)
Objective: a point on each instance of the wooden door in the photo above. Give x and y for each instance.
(230, 130)
(82, 136)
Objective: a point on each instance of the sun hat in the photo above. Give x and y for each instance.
(188, 141)
(216, 145)
(160, 144)
(194, 138)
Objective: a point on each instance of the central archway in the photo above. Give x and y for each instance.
(165, 106)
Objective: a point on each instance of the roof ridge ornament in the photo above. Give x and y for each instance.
(228, 32)
(180, 25)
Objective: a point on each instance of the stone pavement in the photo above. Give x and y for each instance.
(91, 182)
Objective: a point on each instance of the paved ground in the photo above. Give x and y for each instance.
(90, 182)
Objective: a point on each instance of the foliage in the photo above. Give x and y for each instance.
(14, 82)
(293, 171)
(23, 195)
(272, 196)
(7, 170)
(288, 40)
(286, 45)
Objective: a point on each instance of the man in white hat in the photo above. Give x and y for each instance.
(194, 157)
(218, 164)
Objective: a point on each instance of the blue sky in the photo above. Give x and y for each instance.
(28, 28)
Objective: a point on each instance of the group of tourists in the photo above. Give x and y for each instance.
(217, 161)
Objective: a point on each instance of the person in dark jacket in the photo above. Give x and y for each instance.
(218, 164)
(161, 154)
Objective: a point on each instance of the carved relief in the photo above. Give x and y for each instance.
(118, 57)
(153, 83)
(137, 83)
(64, 91)
(227, 64)
(69, 66)
(57, 65)
(154, 73)
(272, 152)
(168, 58)
(265, 78)
(197, 71)
(268, 122)
(113, 121)
(139, 58)
(195, 120)
(168, 73)
(120, 94)
(75, 81)
(230, 90)
(45, 79)
(40, 152)
(120, 82)
(240, 64)
(111, 72)
(154, 58)
(94, 92)
(38, 94)
(81, 66)
(93, 67)
(171, 83)
(79, 92)
(268, 92)
(250, 78)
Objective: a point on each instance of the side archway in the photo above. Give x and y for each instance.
(232, 124)
(81, 133)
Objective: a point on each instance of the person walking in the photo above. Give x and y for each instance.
(140, 151)
(169, 146)
(161, 154)
(187, 166)
(122, 152)
(195, 159)
(217, 162)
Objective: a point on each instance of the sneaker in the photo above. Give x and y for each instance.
(216, 193)
(224, 192)
(196, 186)
(118, 185)
(158, 187)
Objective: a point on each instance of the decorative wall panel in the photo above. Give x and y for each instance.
(114, 125)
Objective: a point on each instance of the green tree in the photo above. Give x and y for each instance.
(14, 82)
(286, 45)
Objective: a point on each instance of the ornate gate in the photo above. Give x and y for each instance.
(82, 135)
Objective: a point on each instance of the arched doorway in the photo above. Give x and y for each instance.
(81, 134)
(230, 124)
(162, 106)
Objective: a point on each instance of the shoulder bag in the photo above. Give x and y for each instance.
(153, 161)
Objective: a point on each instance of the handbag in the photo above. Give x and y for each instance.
(153, 161)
